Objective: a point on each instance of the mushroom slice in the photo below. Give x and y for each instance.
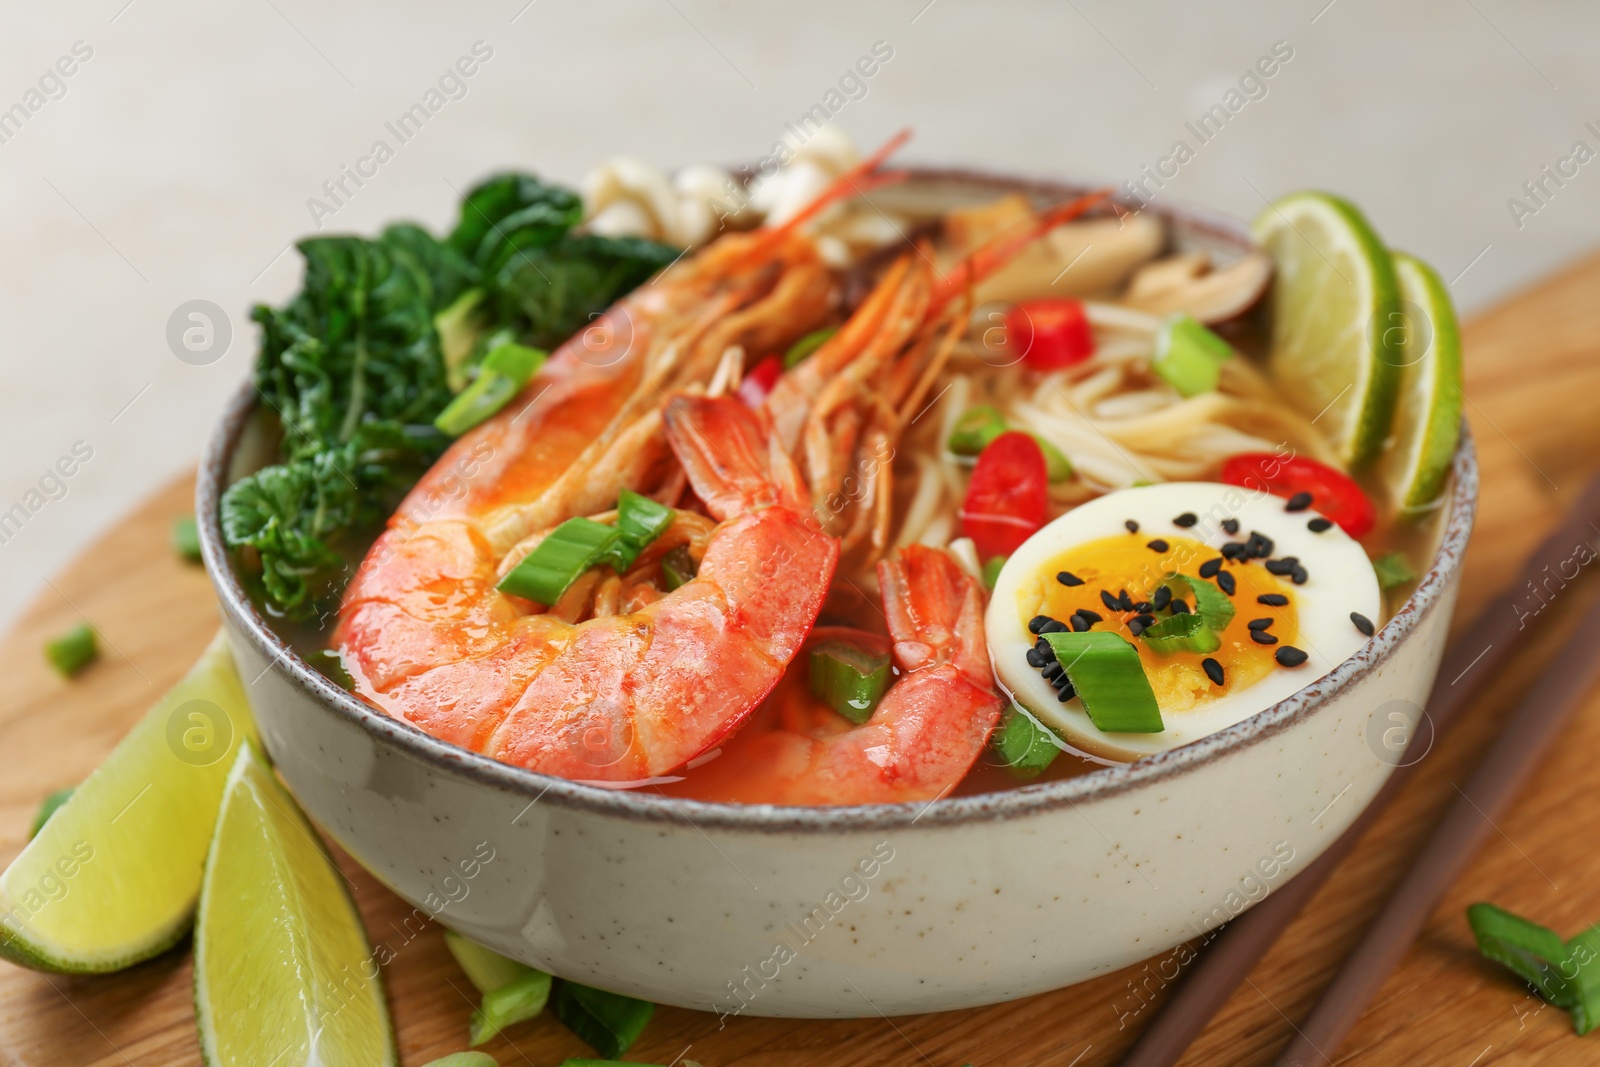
(1186, 282)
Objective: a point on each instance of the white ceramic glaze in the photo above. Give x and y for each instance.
(846, 911)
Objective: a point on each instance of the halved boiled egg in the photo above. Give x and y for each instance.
(1130, 560)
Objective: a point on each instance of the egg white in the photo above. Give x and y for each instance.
(1340, 579)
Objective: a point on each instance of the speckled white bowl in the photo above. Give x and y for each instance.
(832, 912)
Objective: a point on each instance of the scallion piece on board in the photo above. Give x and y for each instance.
(1537, 955)
(1393, 570)
(1182, 633)
(48, 808)
(974, 430)
(640, 520)
(1105, 670)
(1210, 603)
(186, 538)
(1025, 747)
(1189, 356)
(678, 567)
(505, 370)
(467, 1059)
(609, 1022)
(807, 345)
(848, 678)
(73, 650)
(557, 561)
(511, 991)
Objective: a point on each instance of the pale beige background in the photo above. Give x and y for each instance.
(178, 164)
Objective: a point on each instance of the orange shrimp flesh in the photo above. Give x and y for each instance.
(923, 737)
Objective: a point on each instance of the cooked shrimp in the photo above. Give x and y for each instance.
(923, 737)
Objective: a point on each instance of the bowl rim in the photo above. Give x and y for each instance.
(643, 806)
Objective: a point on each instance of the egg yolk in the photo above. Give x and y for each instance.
(1126, 562)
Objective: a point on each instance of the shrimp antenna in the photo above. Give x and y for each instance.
(994, 255)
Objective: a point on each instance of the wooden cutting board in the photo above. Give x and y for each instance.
(1533, 371)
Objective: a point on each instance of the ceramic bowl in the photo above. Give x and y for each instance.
(831, 912)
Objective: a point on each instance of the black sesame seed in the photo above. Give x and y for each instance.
(1281, 567)
(1124, 601)
(1261, 637)
(1158, 545)
(1298, 502)
(1132, 526)
(1363, 623)
(1061, 681)
(1035, 658)
(1289, 656)
(1067, 693)
(1210, 567)
(1213, 670)
(1037, 623)
(1135, 627)
(1319, 525)
(1186, 520)
(1068, 578)
(1162, 597)
(1053, 626)
(1143, 607)
(1111, 602)
(1145, 620)
(1226, 583)
(1092, 616)
(1179, 606)
(1272, 600)
(1051, 671)
(1231, 525)
(1299, 576)
(1235, 550)
(1259, 624)
(1080, 624)
(1259, 545)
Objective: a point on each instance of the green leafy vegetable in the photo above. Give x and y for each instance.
(1182, 633)
(609, 1022)
(1105, 670)
(1023, 745)
(848, 678)
(557, 561)
(374, 348)
(48, 808)
(73, 650)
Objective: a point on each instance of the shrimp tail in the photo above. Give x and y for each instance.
(935, 613)
(734, 461)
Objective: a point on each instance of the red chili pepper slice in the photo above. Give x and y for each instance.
(1332, 492)
(1007, 496)
(759, 380)
(1050, 333)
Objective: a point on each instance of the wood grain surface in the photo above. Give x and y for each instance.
(1533, 376)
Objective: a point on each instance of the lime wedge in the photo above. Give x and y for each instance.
(1333, 352)
(1427, 414)
(282, 971)
(112, 877)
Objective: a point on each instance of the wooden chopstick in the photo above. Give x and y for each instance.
(1481, 649)
(1512, 758)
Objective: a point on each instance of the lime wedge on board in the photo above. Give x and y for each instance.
(282, 970)
(1334, 353)
(112, 877)
(1427, 413)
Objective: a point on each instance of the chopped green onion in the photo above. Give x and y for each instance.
(806, 345)
(1057, 467)
(1182, 633)
(975, 429)
(1189, 356)
(511, 991)
(557, 561)
(1558, 971)
(991, 570)
(73, 650)
(678, 567)
(1025, 746)
(186, 538)
(1583, 954)
(848, 678)
(505, 370)
(609, 1022)
(48, 808)
(1393, 570)
(1105, 670)
(619, 1063)
(640, 520)
(458, 327)
(1210, 603)
(464, 1059)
